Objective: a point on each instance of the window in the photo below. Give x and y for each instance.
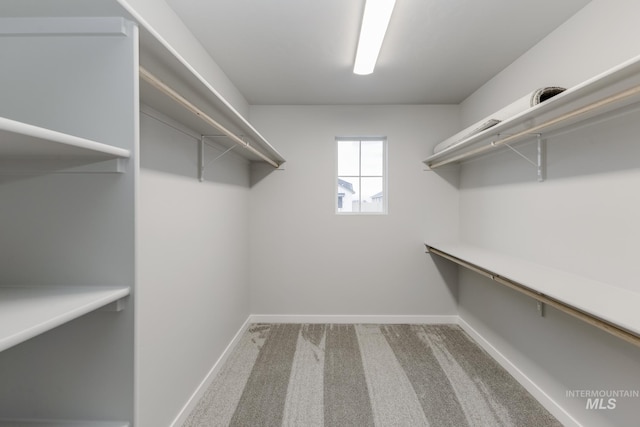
(361, 177)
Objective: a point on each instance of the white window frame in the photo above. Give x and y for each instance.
(385, 175)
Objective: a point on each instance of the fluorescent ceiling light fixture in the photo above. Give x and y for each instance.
(375, 21)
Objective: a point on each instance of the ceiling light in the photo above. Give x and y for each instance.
(375, 21)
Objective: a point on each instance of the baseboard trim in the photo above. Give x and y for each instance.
(353, 319)
(208, 379)
(545, 400)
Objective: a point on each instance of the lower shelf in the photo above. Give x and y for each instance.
(61, 423)
(26, 312)
(607, 307)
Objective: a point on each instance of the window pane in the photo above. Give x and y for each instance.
(372, 196)
(348, 194)
(349, 158)
(372, 158)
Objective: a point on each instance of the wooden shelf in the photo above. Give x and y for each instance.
(616, 307)
(26, 312)
(61, 423)
(603, 95)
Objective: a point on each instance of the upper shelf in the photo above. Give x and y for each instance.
(598, 97)
(171, 70)
(26, 312)
(616, 306)
(23, 141)
(198, 105)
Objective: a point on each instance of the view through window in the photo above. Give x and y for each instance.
(361, 175)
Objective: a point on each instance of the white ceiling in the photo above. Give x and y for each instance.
(301, 51)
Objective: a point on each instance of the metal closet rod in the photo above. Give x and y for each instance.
(537, 129)
(559, 305)
(160, 85)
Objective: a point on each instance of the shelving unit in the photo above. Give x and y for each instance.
(602, 96)
(67, 272)
(73, 78)
(170, 85)
(27, 312)
(607, 307)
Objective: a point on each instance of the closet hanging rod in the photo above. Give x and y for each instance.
(621, 96)
(160, 85)
(593, 320)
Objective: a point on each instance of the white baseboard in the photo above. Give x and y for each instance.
(206, 382)
(353, 319)
(545, 400)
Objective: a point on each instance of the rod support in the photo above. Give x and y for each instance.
(201, 165)
(540, 306)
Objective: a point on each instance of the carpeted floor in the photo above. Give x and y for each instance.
(364, 375)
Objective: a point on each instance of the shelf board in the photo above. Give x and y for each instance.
(61, 423)
(616, 80)
(158, 57)
(614, 305)
(26, 312)
(22, 141)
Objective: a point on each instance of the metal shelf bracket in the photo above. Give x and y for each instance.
(541, 158)
(201, 160)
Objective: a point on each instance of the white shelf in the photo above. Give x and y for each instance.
(26, 312)
(613, 305)
(61, 423)
(159, 58)
(24, 141)
(590, 100)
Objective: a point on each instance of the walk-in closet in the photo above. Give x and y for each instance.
(215, 213)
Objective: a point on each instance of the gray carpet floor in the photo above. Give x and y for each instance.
(364, 375)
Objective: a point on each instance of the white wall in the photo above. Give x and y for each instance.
(306, 260)
(193, 271)
(583, 218)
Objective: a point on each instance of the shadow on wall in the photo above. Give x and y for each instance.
(260, 170)
(450, 173)
(448, 271)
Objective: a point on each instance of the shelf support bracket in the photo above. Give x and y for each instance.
(540, 162)
(115, 306)
(201, 143)
(542, 159)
